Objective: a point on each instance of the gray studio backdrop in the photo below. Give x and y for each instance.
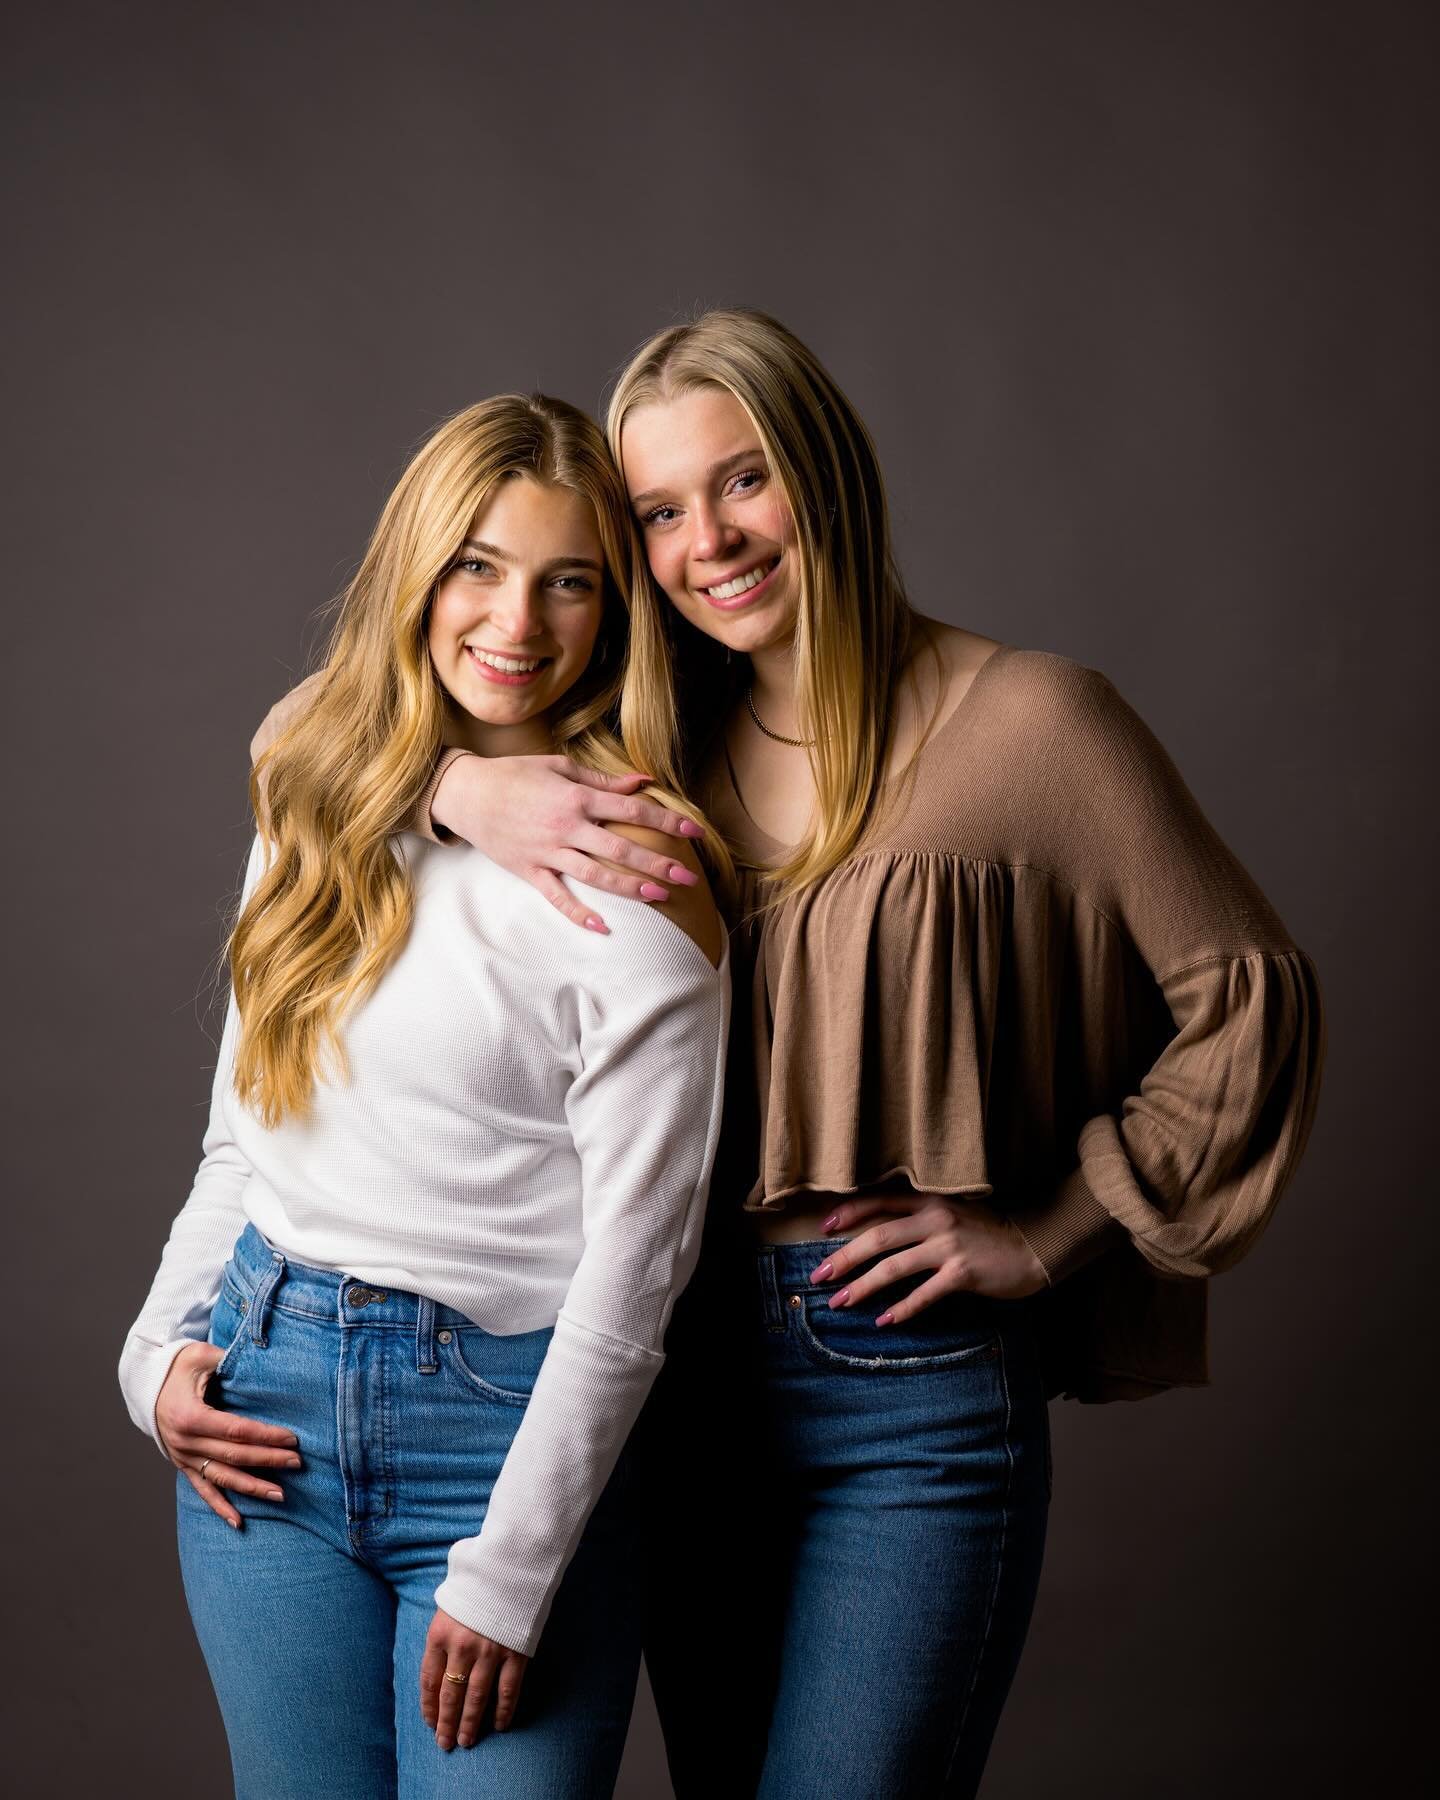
(1135, 299)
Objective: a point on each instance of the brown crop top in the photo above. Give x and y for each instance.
(1041, 977)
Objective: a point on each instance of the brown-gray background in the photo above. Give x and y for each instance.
(1136, 300)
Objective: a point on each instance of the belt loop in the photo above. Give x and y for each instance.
(425, 1336)
(766, 1265)
(260, 1299)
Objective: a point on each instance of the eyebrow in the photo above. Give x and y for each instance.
(556, 562)
(716, 468)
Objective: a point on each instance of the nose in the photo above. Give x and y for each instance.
(516, 610)
(715, 535)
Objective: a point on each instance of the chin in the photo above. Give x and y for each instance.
(760, 632)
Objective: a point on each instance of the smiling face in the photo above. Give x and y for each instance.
(718, 533)
(514, 620)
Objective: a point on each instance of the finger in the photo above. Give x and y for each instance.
(874, 1242)
(851, 1213)
(560, 897)
(233, 1481)
(640, 809)
(594, 840)
(594, 874)
(457, 1701)
(885, 1274)
(238, 1430)
(212, 1497)
(432, 1674)
(477, 1698)
(507, 1690)
(593, 778)
(238, 1455)
(941, 1284)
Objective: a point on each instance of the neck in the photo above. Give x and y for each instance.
(773, 671)
(530, 737)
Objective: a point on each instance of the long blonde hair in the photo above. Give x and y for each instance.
(335, 903)
(854, 623)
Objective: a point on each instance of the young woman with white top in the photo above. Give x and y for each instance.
(453, 1177)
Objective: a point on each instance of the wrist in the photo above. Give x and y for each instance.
(1066, 1228)
(443, 801)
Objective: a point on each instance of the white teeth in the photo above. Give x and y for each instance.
(508, 665)
(727, 590)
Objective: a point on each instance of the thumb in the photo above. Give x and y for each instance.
(203, 1358)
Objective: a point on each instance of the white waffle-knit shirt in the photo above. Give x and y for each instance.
(526, 1135)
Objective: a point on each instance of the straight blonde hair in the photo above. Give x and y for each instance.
(854, 623)
(335, 903)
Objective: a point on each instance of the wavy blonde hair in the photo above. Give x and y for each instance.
(854, 623)
(334, 905)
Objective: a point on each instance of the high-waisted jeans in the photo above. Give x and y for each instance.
(846, 1524)
(313, 1616)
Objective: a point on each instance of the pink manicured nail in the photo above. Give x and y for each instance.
(824, 1272)
(831, 1222)
(686, 877)
(688, 828)
(649, 891)
(594, 924)
(886, 1318)
(842, 1298)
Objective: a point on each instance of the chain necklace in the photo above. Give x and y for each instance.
(794, 743)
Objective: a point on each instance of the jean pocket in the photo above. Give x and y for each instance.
(503, 1369)
(946, 1335)
(229, 1318)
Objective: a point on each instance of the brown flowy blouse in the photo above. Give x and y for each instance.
(1040, 978)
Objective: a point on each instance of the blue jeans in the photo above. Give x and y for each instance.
(312, 1617)
(864, 1511)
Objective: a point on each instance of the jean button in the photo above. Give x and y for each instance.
(444, 1336)
(795, 1300)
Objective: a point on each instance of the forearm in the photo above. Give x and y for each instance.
(589, 1393)
(203, 1233)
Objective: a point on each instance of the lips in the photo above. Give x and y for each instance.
(509, 671)
(739, 589)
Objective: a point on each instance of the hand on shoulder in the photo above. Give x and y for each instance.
(691, 908)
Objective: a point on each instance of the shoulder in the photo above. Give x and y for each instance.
(1059, 707)
(283, 714)
(691, 909)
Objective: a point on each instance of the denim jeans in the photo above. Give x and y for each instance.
(864, 1513)
(312, 1617)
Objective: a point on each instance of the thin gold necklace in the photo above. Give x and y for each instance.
(794, 743)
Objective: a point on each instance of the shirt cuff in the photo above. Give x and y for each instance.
(422, 822)
(1068, 1229)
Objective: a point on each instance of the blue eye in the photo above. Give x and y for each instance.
(748, 475)
(653, 516)
(472, 564)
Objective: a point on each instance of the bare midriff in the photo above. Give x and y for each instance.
(800, 1221)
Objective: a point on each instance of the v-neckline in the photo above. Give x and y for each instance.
(781, 849)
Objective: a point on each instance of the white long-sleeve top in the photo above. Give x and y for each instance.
(526, 1135)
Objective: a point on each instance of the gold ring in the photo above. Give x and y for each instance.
(462, 1679)
(204, 1465)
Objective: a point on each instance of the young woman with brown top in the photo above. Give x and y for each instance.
(1020, 1055)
